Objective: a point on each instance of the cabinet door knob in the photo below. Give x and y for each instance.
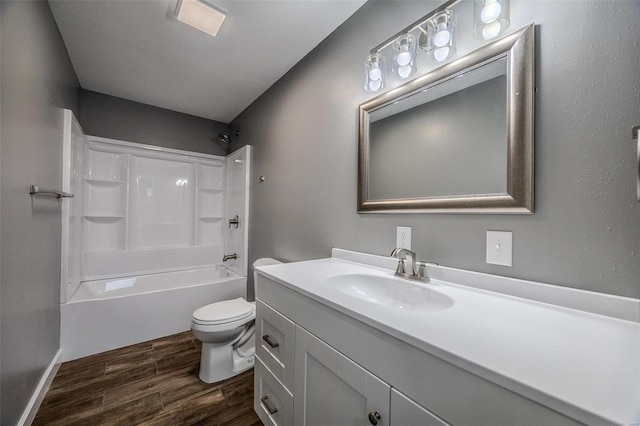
(268, 406)
(374, 417)
(270, 342)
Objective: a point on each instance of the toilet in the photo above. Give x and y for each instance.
(226, 330)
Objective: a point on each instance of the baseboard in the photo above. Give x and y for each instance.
(38, 395)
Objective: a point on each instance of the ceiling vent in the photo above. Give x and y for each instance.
(200, 15)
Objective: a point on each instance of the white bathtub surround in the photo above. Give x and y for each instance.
(141, 209)
(144, 238)
(575, 360)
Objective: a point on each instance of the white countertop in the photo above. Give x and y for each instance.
(584, 365)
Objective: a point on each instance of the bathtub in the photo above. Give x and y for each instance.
(109, 314)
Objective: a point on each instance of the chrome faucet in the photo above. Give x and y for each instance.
(229, 257)
(408, 267)
(407, 261)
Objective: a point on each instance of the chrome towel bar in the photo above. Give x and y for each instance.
(36, 190)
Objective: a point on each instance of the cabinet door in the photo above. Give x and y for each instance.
(405, 412)
(330, 389)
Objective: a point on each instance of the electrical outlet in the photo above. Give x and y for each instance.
(500, 247)
(403, 237)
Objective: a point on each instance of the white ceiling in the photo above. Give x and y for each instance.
(138, 50)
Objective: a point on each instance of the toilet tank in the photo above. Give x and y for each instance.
(264, 261)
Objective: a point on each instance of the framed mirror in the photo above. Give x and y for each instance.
(456, 140)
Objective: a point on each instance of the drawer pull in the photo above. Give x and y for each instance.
(267, 404)
(270, 342)
(374, 416)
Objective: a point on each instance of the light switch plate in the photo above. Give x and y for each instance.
(500, 247)
(403, 237)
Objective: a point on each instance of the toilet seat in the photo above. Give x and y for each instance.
(225, 312)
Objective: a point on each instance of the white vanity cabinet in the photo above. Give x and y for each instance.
(344, 369)
(331, 389)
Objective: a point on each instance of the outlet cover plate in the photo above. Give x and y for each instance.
(403, 237)
(500, 248)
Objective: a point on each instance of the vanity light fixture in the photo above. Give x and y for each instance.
(404, 55)
(491, 18)
(404, 47)
(437, 35)
(439, 38)
(201, 15)
(374, 73)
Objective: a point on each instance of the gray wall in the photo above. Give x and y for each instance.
(585, 232)
(117, 118)
(36, 81)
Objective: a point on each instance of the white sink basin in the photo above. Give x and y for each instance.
(390, 291)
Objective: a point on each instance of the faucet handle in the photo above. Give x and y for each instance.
(422, 273)
(422, 269)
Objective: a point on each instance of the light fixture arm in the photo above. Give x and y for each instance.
(417, 24)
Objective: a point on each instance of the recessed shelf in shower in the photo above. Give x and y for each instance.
(104, 182)
(103, 218)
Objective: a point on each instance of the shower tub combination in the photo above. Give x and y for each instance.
(108, 314)
(143, 239)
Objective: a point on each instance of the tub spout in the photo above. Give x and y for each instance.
(229, 257)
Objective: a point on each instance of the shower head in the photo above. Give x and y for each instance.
(226, 137)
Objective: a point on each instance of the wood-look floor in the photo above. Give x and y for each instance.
(151, 383)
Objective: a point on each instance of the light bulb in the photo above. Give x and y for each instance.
(441, 53)
(374, 73)
(491, 30)
(404, 58)
(491, 11)
(374, 85)
(404, 71)
(443, 36)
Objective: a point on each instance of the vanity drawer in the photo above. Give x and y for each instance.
(275, 342)
(271, 401)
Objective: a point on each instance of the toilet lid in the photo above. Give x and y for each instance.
(224, 311)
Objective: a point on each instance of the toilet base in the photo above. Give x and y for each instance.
(243, 363)
(220, 361)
